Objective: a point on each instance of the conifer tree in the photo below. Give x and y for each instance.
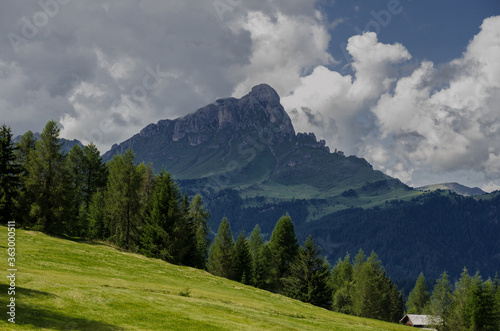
(96, 217)
(23, 150)
(342, 284)
(309, 278)
(165, 235)
(284, 248)
(261, 256)
(242, 260)
(199, 216)
(9, 176)
(484, 307)
(94, 173)
(419, 297)
(461, 310)
(48, 180)
(122, 200)
(440, 303)
(220, 256)
(74, 167)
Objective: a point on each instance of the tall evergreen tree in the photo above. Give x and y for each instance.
(122, 201)
(23, 149)
(48, 180)
(9, 176)
(74, 167)
(484, 307)
(342, 284)
(309, 278)
(242, 260)
(220, 256)
(96, 217)
(284, 248)
(199, 216)
(419, 297)
(94, 173)
(261, 257)
(440, 303)
(461, 309)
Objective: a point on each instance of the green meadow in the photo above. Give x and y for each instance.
(64, 284)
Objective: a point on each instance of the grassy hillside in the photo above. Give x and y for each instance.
(68, 285)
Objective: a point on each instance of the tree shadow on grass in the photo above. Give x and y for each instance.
(40, 317)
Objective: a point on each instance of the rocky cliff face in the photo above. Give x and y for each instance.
(258, 114)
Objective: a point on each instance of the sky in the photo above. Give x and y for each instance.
(410, 85)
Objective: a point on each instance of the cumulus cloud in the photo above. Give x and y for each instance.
(434, 124)
(283, 49)
(456, 124)
(342, 101)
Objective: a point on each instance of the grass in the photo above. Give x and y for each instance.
(69, 285)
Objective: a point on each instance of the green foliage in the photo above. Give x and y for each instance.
(342, 285)
(309, 278)
(199, 216)
(242, 265)
(123, 218)
(9, 176)
(261, 259)
(365, 289)
(167, 233)
(220, 256)
(48, 181)
(284, 248)
(441, 300)
(419, 297)
(23, 151)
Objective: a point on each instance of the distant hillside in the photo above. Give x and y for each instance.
(66, 285)
(455, 187)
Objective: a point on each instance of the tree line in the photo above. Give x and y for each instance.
(469, 304)
(76, 194)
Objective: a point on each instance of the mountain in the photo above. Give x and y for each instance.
(250, 145)
(455, 187)
(67, 144)
(244, 157)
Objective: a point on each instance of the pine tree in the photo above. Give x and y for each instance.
(94, 173)
(96, 217)
(309, 278)
(199, 216)
(461, 309)
(74, 167)
(23, 149)
(165, 234)
(370, 290)
(122, 201)
(9, 176)
(220, 256)
(242, 260)
(419, 297)
(342, 284)
(47, 180)
(441, 300)
(284, 248)
(483, 305)
(261, 256)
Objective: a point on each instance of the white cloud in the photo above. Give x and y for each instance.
(283, 49)
(456, 124)
(335, 106)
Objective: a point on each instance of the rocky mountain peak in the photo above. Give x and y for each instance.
(264, 92)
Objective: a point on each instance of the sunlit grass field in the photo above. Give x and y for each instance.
(69, 285)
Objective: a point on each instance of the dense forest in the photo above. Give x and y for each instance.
(76, 194)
